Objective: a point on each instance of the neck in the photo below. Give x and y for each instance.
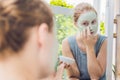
(16, 67)
(79, 40)
(22, 65)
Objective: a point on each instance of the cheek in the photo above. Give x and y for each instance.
(82, 28)
(46, 63)
(95, 27)
(53, 49)
(49, 56)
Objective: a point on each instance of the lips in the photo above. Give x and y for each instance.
(91, 32)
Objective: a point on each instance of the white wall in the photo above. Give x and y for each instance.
(116, 12)
(109, 31)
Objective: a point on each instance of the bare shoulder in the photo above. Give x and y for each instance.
(104, 44)
(102, 55)
(66, 48)
(66, 51)
(65, 42)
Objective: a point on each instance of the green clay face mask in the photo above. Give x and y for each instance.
(86, 20)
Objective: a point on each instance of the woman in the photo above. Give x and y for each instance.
(87, 47)
(25, 52)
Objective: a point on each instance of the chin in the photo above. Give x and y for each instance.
(44, 74)
(94, 33)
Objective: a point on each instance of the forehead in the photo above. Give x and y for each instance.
(88, 16)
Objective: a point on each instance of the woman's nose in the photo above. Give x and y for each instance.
(90, 28)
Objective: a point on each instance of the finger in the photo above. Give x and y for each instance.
(85, 33)
(60, 71)
(60, 62)
(88, 31)
(80, 35)
(67, 65)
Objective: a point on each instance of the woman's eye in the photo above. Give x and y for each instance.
(94, 21)
(85, 24)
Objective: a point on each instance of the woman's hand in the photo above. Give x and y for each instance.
(58, 75)
(88, 39)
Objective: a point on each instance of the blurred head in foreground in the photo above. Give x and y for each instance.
(27, 38)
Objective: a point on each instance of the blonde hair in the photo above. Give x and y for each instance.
(81, 8)
(16, 17)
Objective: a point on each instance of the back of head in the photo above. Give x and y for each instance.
(17, 17)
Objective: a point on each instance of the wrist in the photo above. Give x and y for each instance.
(90, 50)
(89, 47)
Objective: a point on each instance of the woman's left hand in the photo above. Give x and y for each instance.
(57, 75)
(88, 39)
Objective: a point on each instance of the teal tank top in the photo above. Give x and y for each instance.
(81, 58)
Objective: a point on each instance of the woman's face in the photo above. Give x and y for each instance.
(88, 19)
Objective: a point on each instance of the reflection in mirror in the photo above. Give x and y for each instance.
(70, 42)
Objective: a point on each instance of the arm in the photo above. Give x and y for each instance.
(72, 71)
(96, 66)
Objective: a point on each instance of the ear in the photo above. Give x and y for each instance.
(43, 32)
